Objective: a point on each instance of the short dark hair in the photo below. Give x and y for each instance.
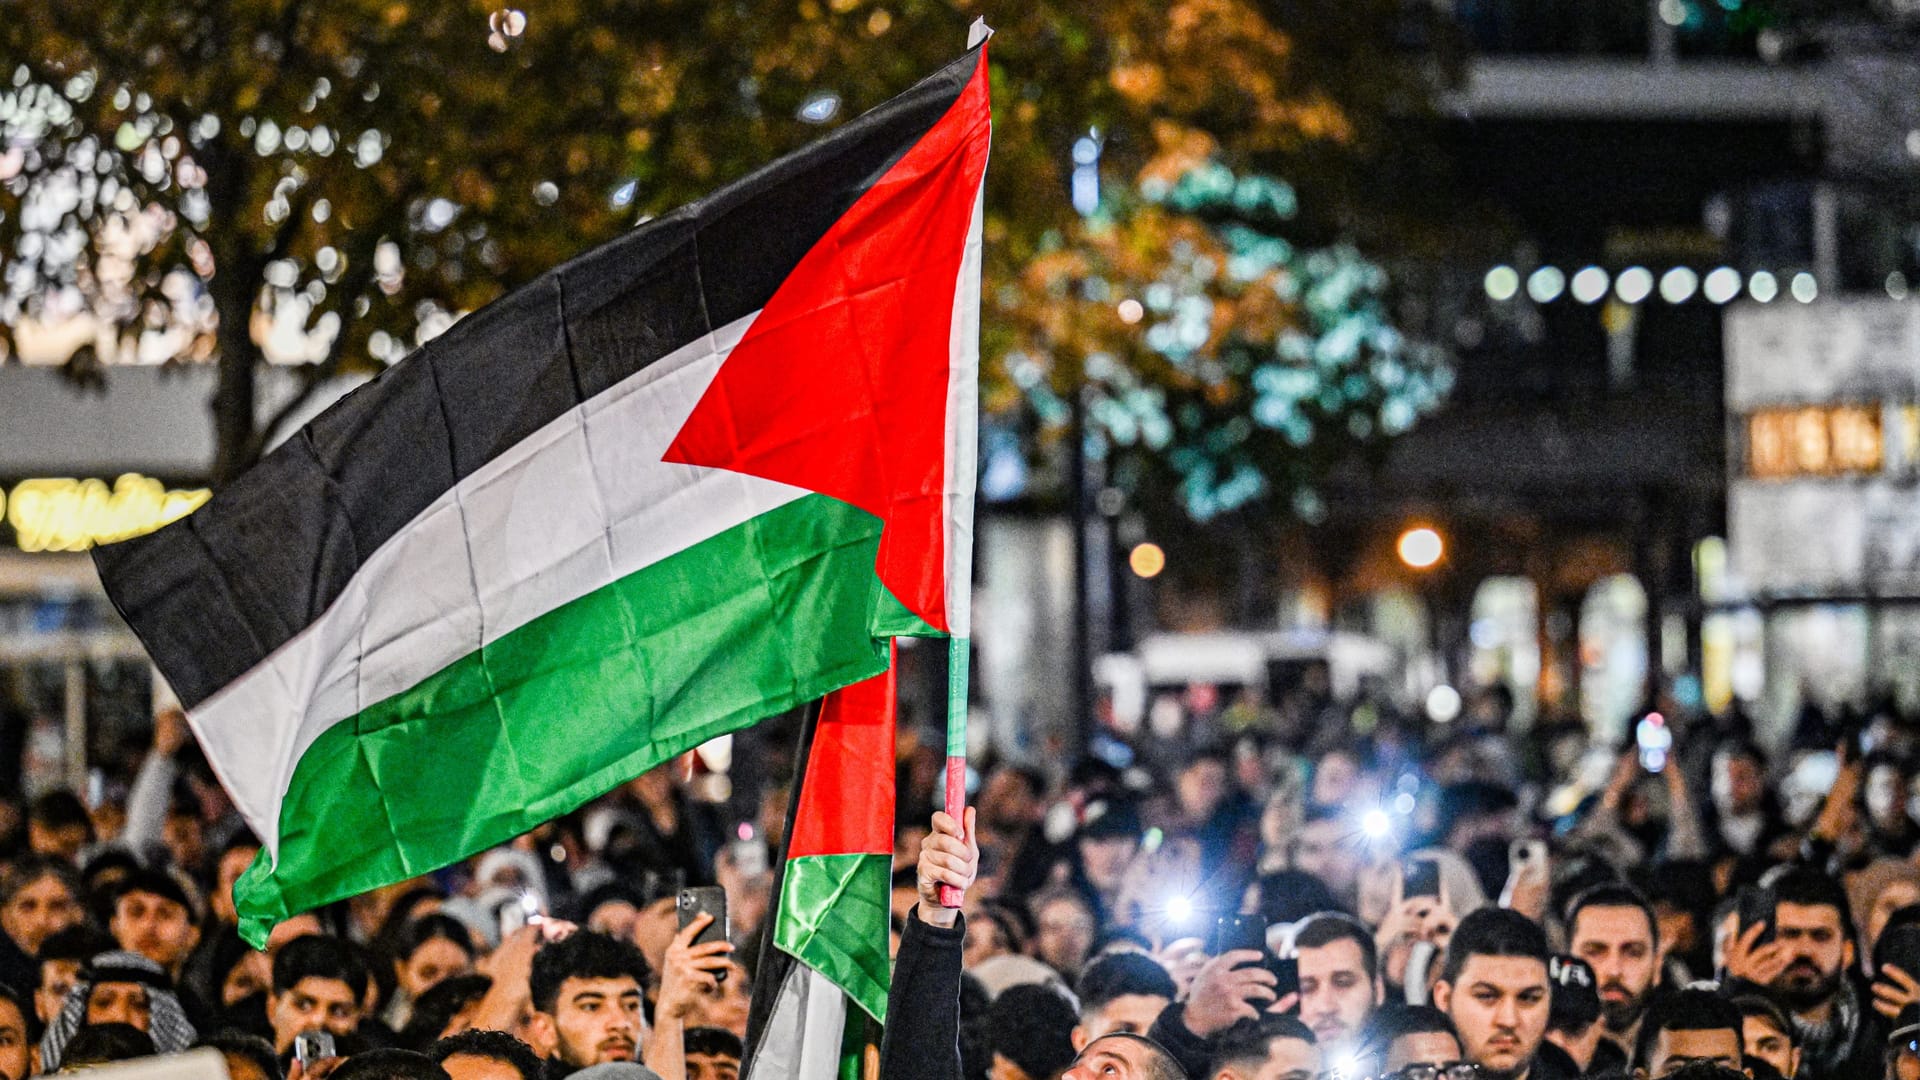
(1032, 1026)
(31, 868)
(1755, 1007)
(429, 928)
(1395, 1021)
(158, 883)
(317, 956)
(390, 1064)
(1492, 931)
(437, 1007)
(494, 1046)
(1117, 975)
(242, 1044)
(98, 1044)
(1319, 930)
(1245, 1043)
(1705, 1070)
(583, 955)
(1613, 895)
(1794, 883)
(1161, 1066)
(24, 1002)
(1687, 1010)
(714, 1042)
(78, 942)
(60, 809)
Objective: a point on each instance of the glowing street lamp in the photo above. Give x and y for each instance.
(1421, 547)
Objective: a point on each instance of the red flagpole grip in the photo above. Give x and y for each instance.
(956, 808)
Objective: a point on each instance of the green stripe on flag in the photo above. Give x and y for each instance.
(834, 916)
(760, 618)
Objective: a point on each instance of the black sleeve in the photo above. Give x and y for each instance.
(1170, 1031)
(922, 1038)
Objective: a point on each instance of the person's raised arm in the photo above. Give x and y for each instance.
(922, 1039)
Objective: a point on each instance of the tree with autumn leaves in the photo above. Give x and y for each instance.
(368, 169)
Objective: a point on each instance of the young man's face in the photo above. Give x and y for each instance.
(1762, 1041)
(1673, 1050)
(38, 911)
(1818, 950)
(1424, 1048)
(16, 1053)
(1287, 1059)
(595, 1021)
(1618, 943)
(1499, 1006)
(56, 978)
(711, 1067)
(1337, 991)
(313, 1004)
(120, 1003)
(155, 927)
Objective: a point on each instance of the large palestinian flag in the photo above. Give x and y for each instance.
(829, 960)
(685, 481)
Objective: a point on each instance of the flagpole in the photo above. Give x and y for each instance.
(956, 804)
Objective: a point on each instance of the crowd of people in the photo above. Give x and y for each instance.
(1338, 892)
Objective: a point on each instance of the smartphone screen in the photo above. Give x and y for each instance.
(1422, 878)
(1756, 908)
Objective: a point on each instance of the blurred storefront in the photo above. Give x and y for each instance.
(1821, 583)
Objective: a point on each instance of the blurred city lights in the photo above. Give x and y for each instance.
(1678, 284)
(1635, 284)
(1897, 285)
(1131, 311)
(820, 108)
(1147, 560)
(1805, 288)
(1421, 547)
(1443, 704)
(1179, 909)
(1503, 282)
(1722, 285)
(1763, 287)
(1673, 12)
(1546, 284)
(1590, 285)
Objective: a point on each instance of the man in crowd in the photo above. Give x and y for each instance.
(1494, 988)
(118, 988)
(487, 1055)
(712, 1054)
(1400, 1037)
(1031, 1028)
(1573, 1020)
(1766, 1035)
(39, 897)
(1690, 1027)
(1270, 1048)
(587, 996)
(318, 985)
(16, 1035)
(1612, 928)
(153, 916)
(1338, 985)
(1122, 991)
(61, 957)
(1805, 970)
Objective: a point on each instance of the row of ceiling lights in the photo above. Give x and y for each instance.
(1636, 284)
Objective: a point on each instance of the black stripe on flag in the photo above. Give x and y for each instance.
(215, 593)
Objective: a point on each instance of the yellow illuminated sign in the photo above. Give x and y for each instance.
(1814, 440)
(74, 515)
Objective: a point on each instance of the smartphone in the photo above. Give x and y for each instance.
(1421, 878)
(1756, 908)
(313, 1046)
(1899, 946)
(1286, 976)
(1232, 932)
(706, 900)
(517, 913)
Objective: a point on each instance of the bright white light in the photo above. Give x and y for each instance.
(1421, 547)
(1673, 12)
(820, 108)
(1678, 284)
(1376, 824)
(1130, 311)
(1180, 909)
(1635, 284)
(1502, 283)
(1590, 285)
(1897, 285)
(1443, 704)
(1722, 285)
(1805, 288)
(1546, 284)
(1403, 804)
(1763, 287)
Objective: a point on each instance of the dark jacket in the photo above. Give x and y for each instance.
(922, 1040)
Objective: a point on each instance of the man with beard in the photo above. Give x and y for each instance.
(1612, 928)
(1804, 969)
(1339, 981)
(1494, 988)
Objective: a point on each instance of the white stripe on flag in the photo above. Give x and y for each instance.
(802, 1037)
(581, 503)
(963, 429)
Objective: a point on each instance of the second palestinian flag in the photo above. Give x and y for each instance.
(688, 480)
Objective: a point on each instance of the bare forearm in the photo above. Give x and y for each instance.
(667, 1048)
